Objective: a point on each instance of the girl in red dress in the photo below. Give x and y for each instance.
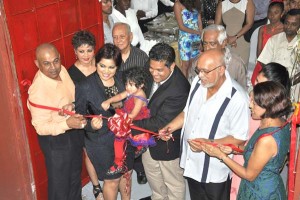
(275, 13)
(135, 106)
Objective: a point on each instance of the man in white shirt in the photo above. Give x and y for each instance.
(146, 10)
(279, 47)
(107, 20)
(216, 111)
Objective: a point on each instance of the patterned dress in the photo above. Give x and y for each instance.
(268, 185)
(188, 43)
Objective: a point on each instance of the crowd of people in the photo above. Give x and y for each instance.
(202, 127)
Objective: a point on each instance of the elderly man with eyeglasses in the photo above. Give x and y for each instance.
(216, 112)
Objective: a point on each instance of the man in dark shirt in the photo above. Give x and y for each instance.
(131, 57)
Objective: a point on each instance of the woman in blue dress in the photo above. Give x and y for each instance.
(266, 150)
(190, 28)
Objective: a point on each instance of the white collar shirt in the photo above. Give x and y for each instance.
(130, 19)
(279, 50)
(198, 119)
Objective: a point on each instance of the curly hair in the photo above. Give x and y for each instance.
(83, 37)
(109, 51)
(273, 97)
(137, 75)
(162, 52)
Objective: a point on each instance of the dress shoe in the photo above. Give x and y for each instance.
(146, 198)
(141, 178)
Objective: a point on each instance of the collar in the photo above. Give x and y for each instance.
(51, 82)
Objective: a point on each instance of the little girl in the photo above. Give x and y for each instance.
(135, 106)
(275, 13)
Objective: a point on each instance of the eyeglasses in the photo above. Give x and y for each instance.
(205, 72)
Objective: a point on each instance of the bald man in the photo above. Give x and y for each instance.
(216, 111)
(59, 136)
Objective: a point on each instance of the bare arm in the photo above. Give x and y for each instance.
(264, 150)
(200, 23)
(218, 17)
(196, 144)
(138, 104)
(250, 10)
(259, 42)
(177, 10)
(119, 97)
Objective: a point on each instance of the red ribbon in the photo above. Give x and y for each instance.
(120, 124)
(233, 147)
(293, 159)
(88, 116)
(67, 112)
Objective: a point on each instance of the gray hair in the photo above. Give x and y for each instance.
(123, 24)
(214, 27)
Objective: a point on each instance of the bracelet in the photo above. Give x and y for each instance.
(222, 159)
(236, 36)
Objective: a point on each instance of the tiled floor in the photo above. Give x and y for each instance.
(138, 191)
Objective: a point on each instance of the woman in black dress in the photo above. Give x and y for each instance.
(84, 47)
(99, 143)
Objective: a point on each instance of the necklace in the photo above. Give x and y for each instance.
(273, 28)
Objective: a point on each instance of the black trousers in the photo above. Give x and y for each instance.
(209, 191)
(63, 157)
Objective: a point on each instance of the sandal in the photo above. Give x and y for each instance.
(114, 169)
(97, 191)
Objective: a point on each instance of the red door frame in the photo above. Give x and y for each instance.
(16, 173)
(29, 23)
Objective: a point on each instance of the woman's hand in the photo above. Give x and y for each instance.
(97, 122)
(232, 40)
(213, 151)
(225, 149)
(105, 105)
(196, 144)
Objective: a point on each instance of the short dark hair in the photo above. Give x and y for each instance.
(277, 73)
(162, 52)
(137, 75)
(83, 37)
(277, 3)
(273, 97)
(109, 51)
(293, 12)
(190, 5)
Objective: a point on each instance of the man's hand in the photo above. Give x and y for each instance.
(165, 133)
(76, 121)
(105, 105)
(68, 107)
(140, 14)
(97, 122)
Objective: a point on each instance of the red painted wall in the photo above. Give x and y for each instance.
(32, 22)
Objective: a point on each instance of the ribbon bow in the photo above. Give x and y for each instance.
(120, 124)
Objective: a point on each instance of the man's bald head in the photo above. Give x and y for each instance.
(211, 68)
(213, 55)
(48, 60)
(45, 47)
